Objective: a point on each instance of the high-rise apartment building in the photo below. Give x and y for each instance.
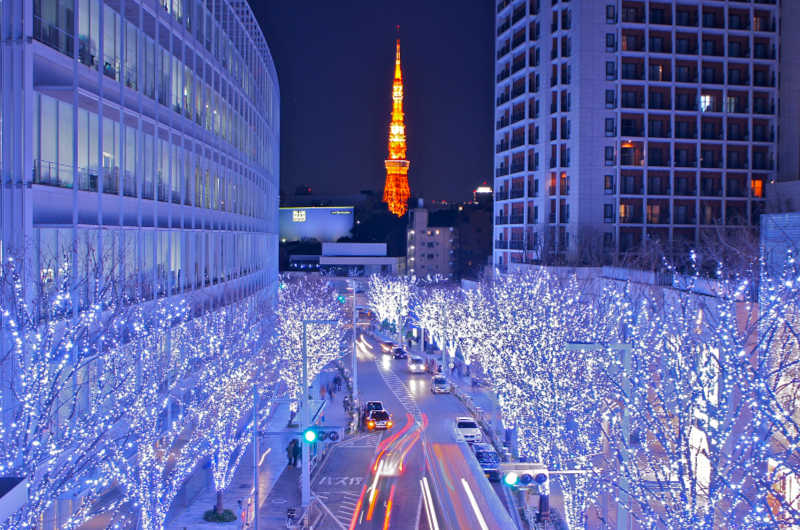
(625, 123)
(145, 133)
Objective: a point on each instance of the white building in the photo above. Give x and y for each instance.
(431, 249)
(146, 132)
(620, 122)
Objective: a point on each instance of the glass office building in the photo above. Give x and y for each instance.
(145, 132)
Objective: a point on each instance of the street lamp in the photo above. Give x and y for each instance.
(625, 348)
(305, 476)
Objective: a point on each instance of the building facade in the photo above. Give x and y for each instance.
(625, 123)
(431, 249)
(143, 132)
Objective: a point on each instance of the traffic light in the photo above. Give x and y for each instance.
(524, 475)
(322, 434)
(310, 435)
(340, 298)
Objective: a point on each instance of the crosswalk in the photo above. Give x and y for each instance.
(367, 440)
(400, 391)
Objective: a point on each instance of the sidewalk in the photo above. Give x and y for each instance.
(279, 485)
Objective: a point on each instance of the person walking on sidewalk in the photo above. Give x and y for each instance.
(298, 453)
(322, 392)
(338, 382)
(290, 453)
(331, 390)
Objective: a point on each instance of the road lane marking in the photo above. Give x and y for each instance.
(388, 509)
(358, 508)
(474, 503)
(430, 512)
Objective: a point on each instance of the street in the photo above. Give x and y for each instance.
(414, 475)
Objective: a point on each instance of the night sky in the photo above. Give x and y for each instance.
(335, 61)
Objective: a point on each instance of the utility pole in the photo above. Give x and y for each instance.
(255, 456)
(355, 356)
(305, 475)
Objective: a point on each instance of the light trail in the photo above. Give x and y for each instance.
(388, 509)
(474, 503)
(387, 441)
(357, 511)
(433, 522)
(374, 492)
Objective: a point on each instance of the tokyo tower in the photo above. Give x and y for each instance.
(396, 191)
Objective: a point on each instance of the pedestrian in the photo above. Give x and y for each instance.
(322, 392)
(338, 382)
(331, 390)
(298, 453)
(290, 452)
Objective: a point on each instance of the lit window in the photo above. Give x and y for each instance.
(705, 102)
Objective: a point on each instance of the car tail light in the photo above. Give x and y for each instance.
(389, 424)
(370, 424)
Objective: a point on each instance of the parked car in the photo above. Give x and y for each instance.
(379, 419)
(440, 385)
(468, 429)
(416, 365)
(488, 459)
(399, 353)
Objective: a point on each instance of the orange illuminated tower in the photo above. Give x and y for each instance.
(396, 192)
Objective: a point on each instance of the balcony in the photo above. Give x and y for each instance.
(763, 79)
(502, 146)
(503, 27)
(516, 193)
(516, 219)
(501, 171)
(502, 98)
(761, 51)
(763, 164)
(532, 220)
(502, 122)
(516, 66)
(501, 244)
(517, 167)
(518, 14)
(501, 194)
(762, 107)
(502, 51)
(518, 116)
(501, 220)
(503, 75)
(517, 91)
(516, 244)
(517, 41)
(709, 163)
(763, 136)
(632, 218)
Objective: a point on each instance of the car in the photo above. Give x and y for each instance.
(488, 459)
(416, 364)
(399, 353)
(373, 405)
(440, 385)
(468, 429)
(379, 419)
(387, 347)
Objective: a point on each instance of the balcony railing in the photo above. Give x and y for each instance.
(501, 220)
(516, 193)
(500, 243)
(516, 219)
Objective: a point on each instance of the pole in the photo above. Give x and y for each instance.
(255, 456)
(306, 471)
(355, 356)
(622, 511)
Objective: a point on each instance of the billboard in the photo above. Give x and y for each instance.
(323, 223)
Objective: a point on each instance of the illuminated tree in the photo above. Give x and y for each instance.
(391, 297)
(299, 299)
(237, 334)
(150, 462)
(66, 383)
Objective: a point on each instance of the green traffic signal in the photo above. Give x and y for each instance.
(511, 478)
(310, 436)
(341, 298)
